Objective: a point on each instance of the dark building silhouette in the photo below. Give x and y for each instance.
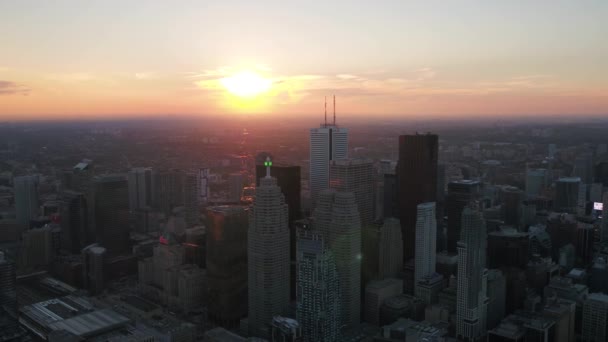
(601, 173)
(8, 295)
(417, 173)
(75, 228)
(508, 248)
(110, 201)
(391, 196)
(512, 199)
(460, 193)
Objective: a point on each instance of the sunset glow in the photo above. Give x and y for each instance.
(246, 84)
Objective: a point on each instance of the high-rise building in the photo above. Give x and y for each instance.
(390, 249)
(93, 268)
(567, 195)
(460, 193)
(268, 256)
(191, 193)
(417, 180)
(76, 232)
(583, 167)
(426, 242)
(26, 199)
(356, 176)
(471, 307)
(337, 218)
(235, 187)
(512, 199)
(391, 196)
(111, 213)
(285, 329)
(536, 181)
(328, 142)
(226, 264)
(376, 292)
(36, 248)
(318, 289)
(595, 318)
(140, 188)
(508, 247)
(497, 297)
(167, 187)
(8, 294)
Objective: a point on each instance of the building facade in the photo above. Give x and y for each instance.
(426, 242)
(328, 142)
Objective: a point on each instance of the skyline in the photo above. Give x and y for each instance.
(112, 60)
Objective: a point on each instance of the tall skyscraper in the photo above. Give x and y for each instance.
(167, 187)
(140, 188)
(512, 198)
(337, 218)
(595, 318)
(268, 256)
(471, 298)
(235, 187)
(567, 195)
(318, 289)
(460, 193)
(191, 193)
(390, 249)
(417, 179)
(356, 176)
(536, 181)
(226, 263)
(328, 142)
(75, 226)
(93, 268)
(111, 213)
(8, 295)
(426, 242)
(26, 199)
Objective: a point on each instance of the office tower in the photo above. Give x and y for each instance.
(596, 191)
(36, 248)
(376, 292)
(601, 172)
(497, 297)
(235, 187)
(111, 213)
(268, 256)
(328, 142)
(76, 232)
(595, 318)
(567, 195)
(337, 218)
(390, 249)
(536, 181)
(93, 268)
(604, 222)
(227, 264)
(563, 312)
(289, 180)
(417, 178)
(426, 242)
(508, 247)
(562, 230)
(318, 294)
(168, 187)
(26, 199)
(355, 176)
(391, 196)
(471, 308)
(460, 193)
(583, 168)
(191, 195)
(551, 151)
(598, 276)
(8, 294)
(512, 199)
(140, 188)
(585, 240)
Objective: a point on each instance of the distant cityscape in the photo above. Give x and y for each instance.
(243, 231)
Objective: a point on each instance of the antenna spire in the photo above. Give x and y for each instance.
(268, 164)
(325, 110)
(334, 110)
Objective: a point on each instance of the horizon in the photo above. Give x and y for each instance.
(114, 60)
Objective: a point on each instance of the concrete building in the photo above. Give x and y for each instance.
(376, 292)
(235, 187)
(94, 258)
(426, 242)
(191, 287)
(428, 288)
(220, 334)
(563, 312)
(595, 318)
(536, 182)
(417, 182)
(508, 247)
(512, 199)
(140, 188)
(36, 248)
(318, 289)
(523, 326)
(76, 230)
(460, 193)
(168, 190)
(390, 249)
(191, 193)
(497, 297)
(285, 329)
(355, 176)
(471, 307)
(337, 218)
(226, 264)
(328, 142)
(111, 213)
(567, 195)
(8, 296)
(268, 256)
(26, 199)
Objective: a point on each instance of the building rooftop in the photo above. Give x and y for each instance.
(599, 297)
(221, 334)
(91, 323)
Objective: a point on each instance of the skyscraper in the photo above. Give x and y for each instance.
(595, 318)
(460, 193)
(318, 289)
(191, 198)
(567, 195)
(26, 199)
(93, 268)
(8, 294)
(536, 181)
(328, 142)
(167, 187)
(75, 226)
(337, 218)
(417, 179)
(111, 213)
(390, 249)
(226, 263)
(471, 298)
(235, 187)
(140, 188)
(268, 256)
(426, 242)
(356, 176)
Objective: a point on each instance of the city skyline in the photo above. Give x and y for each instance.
(100, 60)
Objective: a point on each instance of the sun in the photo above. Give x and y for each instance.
(246, 84)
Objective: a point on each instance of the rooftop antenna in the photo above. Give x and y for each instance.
(325, 110)
(268, 164)
(334, 110)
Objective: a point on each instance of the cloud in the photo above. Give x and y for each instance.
(12, 88)
(146, 75)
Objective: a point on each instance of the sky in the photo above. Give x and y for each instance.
(110, 59)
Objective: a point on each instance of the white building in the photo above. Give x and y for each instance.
(268, 256)
(471, 298)
(328, 142)
(426, 241)
(26, 198)
(337, 218)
